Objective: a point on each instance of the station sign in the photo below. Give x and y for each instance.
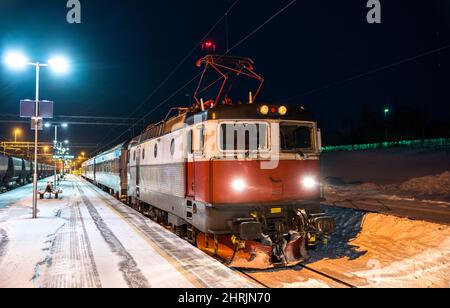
(63, 157)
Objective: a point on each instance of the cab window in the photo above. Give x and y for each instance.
(296, 137)
(243, 137)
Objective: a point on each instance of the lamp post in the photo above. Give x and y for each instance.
(59, 65)
(386, 115)
(55, 142)
(16, 132)
(64, 159)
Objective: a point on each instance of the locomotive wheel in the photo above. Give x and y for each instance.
(181, 231)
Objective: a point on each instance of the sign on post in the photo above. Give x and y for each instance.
(28, 109)
(40, 123)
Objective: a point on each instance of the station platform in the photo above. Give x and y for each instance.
(88, 239)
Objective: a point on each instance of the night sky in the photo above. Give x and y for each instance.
(123, 50)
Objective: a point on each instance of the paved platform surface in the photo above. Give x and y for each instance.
(88, 239)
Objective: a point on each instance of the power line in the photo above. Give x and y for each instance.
(262, 25)
(344, 81)
(151, 111)
(177, 67)
(195, 77)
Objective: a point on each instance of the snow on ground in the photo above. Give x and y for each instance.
(373, 250)
(387, 251)
(403, 182)
(88, 239)
(377, 250)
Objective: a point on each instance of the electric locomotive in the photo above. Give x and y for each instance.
(240, 180)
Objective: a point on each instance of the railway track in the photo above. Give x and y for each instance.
(207, 277)
(248, 274)
(337, 280)
(416, 209)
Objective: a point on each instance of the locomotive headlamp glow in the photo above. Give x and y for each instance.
(309, 182)
(239, 185)
(282, 110)
(264, 110)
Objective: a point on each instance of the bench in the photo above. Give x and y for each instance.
(55, 192)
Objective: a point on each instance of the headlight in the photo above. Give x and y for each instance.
(282, 110)
(264, 110)
(239, 185)
(309, 182)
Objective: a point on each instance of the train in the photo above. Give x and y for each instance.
(239, 180)
(15, 171)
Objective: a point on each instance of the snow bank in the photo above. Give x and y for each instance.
(385, 251)
(428, 185)
(403, 253)
(374, 250)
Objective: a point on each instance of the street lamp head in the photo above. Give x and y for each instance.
(47, 125)
(15, 60)
(65, 125)
(59, 65)
(66, 141)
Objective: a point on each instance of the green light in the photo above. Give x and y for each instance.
(386, 110)
(440, 143)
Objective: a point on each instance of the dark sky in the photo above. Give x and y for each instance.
(123, 50)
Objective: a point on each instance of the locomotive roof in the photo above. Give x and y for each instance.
(223, 112)
(250, 112)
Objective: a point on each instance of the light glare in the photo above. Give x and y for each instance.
(59, 65)
(309, 182)
(239, 185)
(15, 60)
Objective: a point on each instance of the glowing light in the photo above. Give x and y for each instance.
(59, 65)
(47, 125)
(282, 110)
(239, 185)
(309, 182)
(264, 110)
(64, 125)
(15, 60)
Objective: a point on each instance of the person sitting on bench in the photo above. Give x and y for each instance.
(49, 188)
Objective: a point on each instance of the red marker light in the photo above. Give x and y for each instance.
(273, 110)
(209, 45)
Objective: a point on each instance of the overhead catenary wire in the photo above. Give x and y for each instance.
(177, 67)
(197, 75)
(373, 71)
